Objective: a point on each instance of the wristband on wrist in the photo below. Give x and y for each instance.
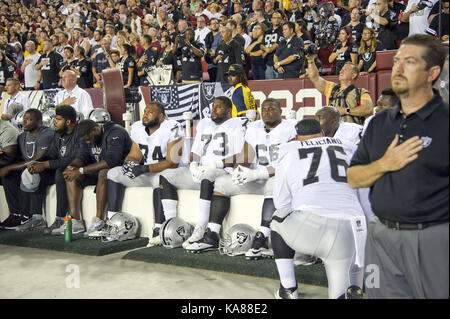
(310, 60)
(81, 170)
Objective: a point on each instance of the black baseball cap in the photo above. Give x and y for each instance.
(308, 126)
(235, 69)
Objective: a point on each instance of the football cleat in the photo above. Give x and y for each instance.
(155, 240)
(283, 293)
(96, 225)
(197, 234)
(210, 241)
(258, 246)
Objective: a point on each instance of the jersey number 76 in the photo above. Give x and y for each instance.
(334, 163)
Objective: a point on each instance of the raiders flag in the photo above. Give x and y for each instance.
(159, 75)
(208, 92)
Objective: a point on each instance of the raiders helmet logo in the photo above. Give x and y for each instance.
(181, 231)
(241, 237)
(128, 224)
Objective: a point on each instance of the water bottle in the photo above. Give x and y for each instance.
(68, 229)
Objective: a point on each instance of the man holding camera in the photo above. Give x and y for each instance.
(191, 53)
(353, 104)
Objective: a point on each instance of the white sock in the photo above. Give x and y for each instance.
(111, 214)
(157, 226)
(169, 207)
(264, 230)
(37, 216)
(204, 207)
(286, 271)
(214, 227)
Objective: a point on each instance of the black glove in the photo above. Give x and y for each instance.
(133, 171)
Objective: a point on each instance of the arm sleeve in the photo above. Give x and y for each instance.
(82, 152)
(282, 197)
(115, 145)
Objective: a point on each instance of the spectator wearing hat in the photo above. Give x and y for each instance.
(242, 98)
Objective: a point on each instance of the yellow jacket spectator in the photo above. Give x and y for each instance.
(242, 97)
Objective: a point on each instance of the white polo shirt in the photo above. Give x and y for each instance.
(83, 101)
(19, 98)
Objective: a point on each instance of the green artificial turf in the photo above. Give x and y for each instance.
(79, 245)
(213, 260)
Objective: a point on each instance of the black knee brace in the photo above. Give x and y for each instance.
(219, 209)
(267, 212)
(168, 191)
(206, 189)
(115, 193)
(157, 206)
(280, 249)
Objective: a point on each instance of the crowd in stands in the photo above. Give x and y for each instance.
(39, 39)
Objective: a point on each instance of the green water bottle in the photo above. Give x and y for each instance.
(68, 229)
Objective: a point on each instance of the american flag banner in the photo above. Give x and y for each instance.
(178, 99)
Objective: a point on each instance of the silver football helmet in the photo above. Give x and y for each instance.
(18, 120)
(174, 232)
(47, 118)
(122, 226)
(237, 240)
(80, 117)
(99, 115)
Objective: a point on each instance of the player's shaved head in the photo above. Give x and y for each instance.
(271, 112)
(308, 128)
(328, 118)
